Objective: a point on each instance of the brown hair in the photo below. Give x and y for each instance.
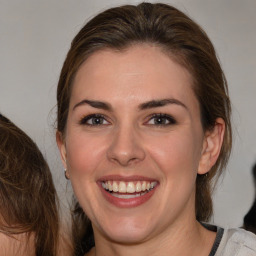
(28, 202)
(178, 36)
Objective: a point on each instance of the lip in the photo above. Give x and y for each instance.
(126, 203)
(126, 178)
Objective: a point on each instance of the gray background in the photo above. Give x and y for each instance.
(35, 37)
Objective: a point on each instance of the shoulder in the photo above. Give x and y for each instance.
(237, 242)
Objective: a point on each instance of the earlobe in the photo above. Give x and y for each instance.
(62, 148)
(211, 146)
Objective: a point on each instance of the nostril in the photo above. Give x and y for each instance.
(126, 147)
(126, 158)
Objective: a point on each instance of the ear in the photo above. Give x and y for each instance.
(62, 148)
(211, 146)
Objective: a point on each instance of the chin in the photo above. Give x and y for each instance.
(128, 236)
(126, 232)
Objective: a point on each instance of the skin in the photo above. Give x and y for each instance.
(129, 142)
(21, 244)
(24, 244)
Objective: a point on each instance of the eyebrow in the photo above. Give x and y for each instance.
(143, 106)
(161, 103)
(94, 104)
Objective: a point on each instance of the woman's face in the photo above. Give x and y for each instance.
(134, 143)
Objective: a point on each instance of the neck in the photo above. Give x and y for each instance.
(189, 239)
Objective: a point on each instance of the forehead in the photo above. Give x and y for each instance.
(141, 72)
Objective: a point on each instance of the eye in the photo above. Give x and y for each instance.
(94, 120)
(161, 120)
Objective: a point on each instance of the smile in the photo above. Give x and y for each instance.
(128, 193)
(128, 187)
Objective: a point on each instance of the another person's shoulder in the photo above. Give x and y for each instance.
(237, 242)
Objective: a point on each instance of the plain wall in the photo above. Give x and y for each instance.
(35, 37)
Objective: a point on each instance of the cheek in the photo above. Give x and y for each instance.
(84, 153)
(176, 154)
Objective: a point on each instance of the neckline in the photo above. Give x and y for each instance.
(219, 235)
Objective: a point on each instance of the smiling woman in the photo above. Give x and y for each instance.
(143, 128)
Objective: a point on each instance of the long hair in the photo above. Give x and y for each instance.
(28, 200)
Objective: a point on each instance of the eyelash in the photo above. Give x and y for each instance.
(168, 118)
(171, 121)
(84, 120)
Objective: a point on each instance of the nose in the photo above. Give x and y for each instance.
(126, 147)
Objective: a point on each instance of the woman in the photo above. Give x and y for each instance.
(143, 128)
(29, 222)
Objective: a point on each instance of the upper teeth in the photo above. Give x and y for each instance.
(128, 187)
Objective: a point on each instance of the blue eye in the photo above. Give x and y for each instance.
(94, 120)
(161, 120)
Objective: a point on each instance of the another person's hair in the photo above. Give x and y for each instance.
(180, 38)
(28, 201)
(250, 217)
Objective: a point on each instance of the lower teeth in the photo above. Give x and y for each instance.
(128, 196)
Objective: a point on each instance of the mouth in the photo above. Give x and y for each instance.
(127, 190)
(126, 194)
